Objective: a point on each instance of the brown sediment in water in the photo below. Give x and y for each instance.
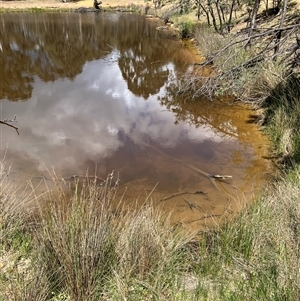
(192, 198)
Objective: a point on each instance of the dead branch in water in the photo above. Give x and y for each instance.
(181, 193)
(8, 121)
(204, 217)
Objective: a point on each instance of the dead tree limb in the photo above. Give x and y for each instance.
(224, 67)
(204, 217)
(256, 36)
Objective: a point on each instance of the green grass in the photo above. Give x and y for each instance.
(283, 116)
(255, 257)
(186, 29)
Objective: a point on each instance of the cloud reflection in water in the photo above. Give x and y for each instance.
(69, 122)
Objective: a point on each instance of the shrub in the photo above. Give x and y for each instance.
(186, 29)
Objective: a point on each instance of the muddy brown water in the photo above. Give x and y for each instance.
(95, 92)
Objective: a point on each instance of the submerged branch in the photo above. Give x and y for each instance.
(181, 193)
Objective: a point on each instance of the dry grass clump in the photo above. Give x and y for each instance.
(208, 40)
(82, 244)
(258, 83)
(76, 239)
(88, 247)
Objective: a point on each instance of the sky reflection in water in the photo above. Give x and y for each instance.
(67, 122)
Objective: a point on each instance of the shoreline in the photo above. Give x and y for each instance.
(56, 5)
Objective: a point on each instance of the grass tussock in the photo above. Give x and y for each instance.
(76, 239)
(208, 40)
(18, 278)
(82, 246)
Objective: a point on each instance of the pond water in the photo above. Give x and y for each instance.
(95, 92)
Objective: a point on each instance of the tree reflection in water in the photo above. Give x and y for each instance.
(53, 46)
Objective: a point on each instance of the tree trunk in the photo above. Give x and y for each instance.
(223, 13)
(219, 15)
(211, 11)
(278, 34)
(267, 7)
(253, 21)
(230, 15)
(205, 11)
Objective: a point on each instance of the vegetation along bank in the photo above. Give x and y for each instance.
(81, 248)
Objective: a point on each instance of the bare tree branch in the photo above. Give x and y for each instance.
(8, 121)
(228, 64)
(259, 35)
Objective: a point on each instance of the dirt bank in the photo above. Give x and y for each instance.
(59, 5)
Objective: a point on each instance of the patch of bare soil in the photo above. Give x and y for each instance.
(59, 5)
